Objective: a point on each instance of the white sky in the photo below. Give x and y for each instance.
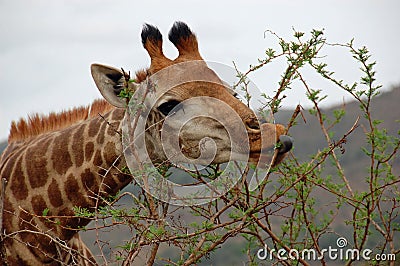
(47, 46)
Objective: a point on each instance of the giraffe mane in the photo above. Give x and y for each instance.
(38, 124)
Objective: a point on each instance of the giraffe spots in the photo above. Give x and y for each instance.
(54, 194)
(38, 204)
(112, 129)
(98, 160)
(89, 180)
(94, 126)
(110, 187)
(43, 253)
(9, 215)
(8, 165)
(102, 172)
(16, 261)
(18, 185)
(77, 146)
(25, 224)
(60, 156)
(89, 149)
(24, 219)
(124, 178)
(72, 190)
(101, 134)
(68, 221)
(36, 162)
(118, 115)
(7, 169)
(109, 153)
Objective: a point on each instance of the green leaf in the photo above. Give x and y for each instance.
(45, 212)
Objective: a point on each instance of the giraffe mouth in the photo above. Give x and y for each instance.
(264, 156)
(285, 144)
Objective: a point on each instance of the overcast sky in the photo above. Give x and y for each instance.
(47, 46)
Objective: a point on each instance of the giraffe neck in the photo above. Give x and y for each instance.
(93, 172)
(56, 172)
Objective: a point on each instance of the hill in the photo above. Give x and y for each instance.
(384, 107)
(3, 145)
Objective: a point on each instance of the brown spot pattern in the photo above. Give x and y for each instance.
(89, 148)
(77, 146)
(109, 153)
(72, 190)
(38, 204)
(94, 126)
(36, 162)
(111, 186)
(60, 156)
(102, 172)
(54, 194)
(101, 134)
(118, 114)
(70, 222)
(112, 130)
(98, 160)
(18, 186)
(124, 178)
(89, 180)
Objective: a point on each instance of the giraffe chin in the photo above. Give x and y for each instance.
(271, 156)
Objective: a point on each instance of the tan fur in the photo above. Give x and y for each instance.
(188, 49)
(158, 59)
(37, 124)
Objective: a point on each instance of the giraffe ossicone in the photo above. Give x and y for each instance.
(57, 162)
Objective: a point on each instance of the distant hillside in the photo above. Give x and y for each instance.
(3, 145)
(309, 138)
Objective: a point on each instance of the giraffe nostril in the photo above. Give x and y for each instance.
(253, 124)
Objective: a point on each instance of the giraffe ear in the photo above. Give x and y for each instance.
(110, 82)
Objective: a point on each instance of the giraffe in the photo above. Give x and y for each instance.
(56, 162)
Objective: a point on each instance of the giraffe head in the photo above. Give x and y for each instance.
(185, 86)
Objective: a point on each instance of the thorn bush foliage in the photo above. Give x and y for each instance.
(286, 211)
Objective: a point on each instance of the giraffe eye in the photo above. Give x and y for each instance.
(167, 107)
